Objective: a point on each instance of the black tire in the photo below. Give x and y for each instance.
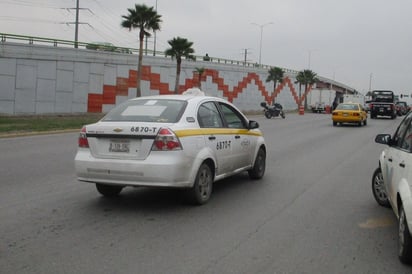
(378, 188)
(365, 122)
(335, 124)
(108, 190)
(268, 114)
(282, 114)
(201, 191)
(259, 167)
(405, 239)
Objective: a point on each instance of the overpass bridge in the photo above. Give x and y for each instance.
(43, 75)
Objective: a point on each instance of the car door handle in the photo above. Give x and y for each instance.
(390, 159)
(212, 138)
(402, 164)
(237, 137)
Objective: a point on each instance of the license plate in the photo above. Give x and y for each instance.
(119, 146)
(345, 114)
(381, 109)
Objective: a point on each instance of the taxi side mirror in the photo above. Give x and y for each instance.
(253, 125)
(384, 139)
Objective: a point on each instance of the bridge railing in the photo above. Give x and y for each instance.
(5, 37)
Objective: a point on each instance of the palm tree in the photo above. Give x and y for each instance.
(144, 19)
(275, 75)
(306, 78)
(180, 47)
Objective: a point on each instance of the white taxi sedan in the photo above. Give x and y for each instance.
(392, 182)
(180, 141)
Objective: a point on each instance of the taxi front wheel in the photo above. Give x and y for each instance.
(259, 167)
(202, 189)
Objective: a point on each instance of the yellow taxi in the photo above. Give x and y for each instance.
(349, 113)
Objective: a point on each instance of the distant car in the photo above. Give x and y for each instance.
(177, 141)
(105, 46)
(402, 108)
(353, 113)
(392, 182)
(318, 107)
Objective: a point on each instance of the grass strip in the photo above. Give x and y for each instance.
(40, 123)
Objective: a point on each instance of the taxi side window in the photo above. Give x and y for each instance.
(401, 138)
(208, 116)
(232, 117)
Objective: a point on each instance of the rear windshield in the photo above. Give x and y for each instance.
(148, 110)
(347, 107)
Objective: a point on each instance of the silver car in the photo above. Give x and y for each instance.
(178, 141)
(392, 182)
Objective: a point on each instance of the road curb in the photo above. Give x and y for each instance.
(33, 133)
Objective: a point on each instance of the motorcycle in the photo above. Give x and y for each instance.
(274, 110)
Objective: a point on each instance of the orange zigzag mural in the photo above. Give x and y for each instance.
(96, 101)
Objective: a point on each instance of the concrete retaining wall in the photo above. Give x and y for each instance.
(36, 79)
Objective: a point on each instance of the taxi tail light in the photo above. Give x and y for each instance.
(356, 114)
(334, 113)
(166, 140)
(83, 142)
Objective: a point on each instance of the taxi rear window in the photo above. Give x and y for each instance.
(148, 110)
(347, 107)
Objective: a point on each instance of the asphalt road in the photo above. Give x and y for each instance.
(313, 212)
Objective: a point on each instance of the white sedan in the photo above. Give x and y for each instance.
(392, 182)
(180, 141)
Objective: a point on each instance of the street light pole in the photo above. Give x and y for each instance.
(261, 38)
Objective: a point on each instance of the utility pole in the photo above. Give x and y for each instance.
(370, 81)
(76, 23)
(76, 31)
(245, 56)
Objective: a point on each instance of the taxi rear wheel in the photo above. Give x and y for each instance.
(108, 190)
(259, 167)
(202, 189)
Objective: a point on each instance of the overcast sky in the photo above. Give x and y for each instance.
(360, 43)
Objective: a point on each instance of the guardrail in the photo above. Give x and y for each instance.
(5, 37)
